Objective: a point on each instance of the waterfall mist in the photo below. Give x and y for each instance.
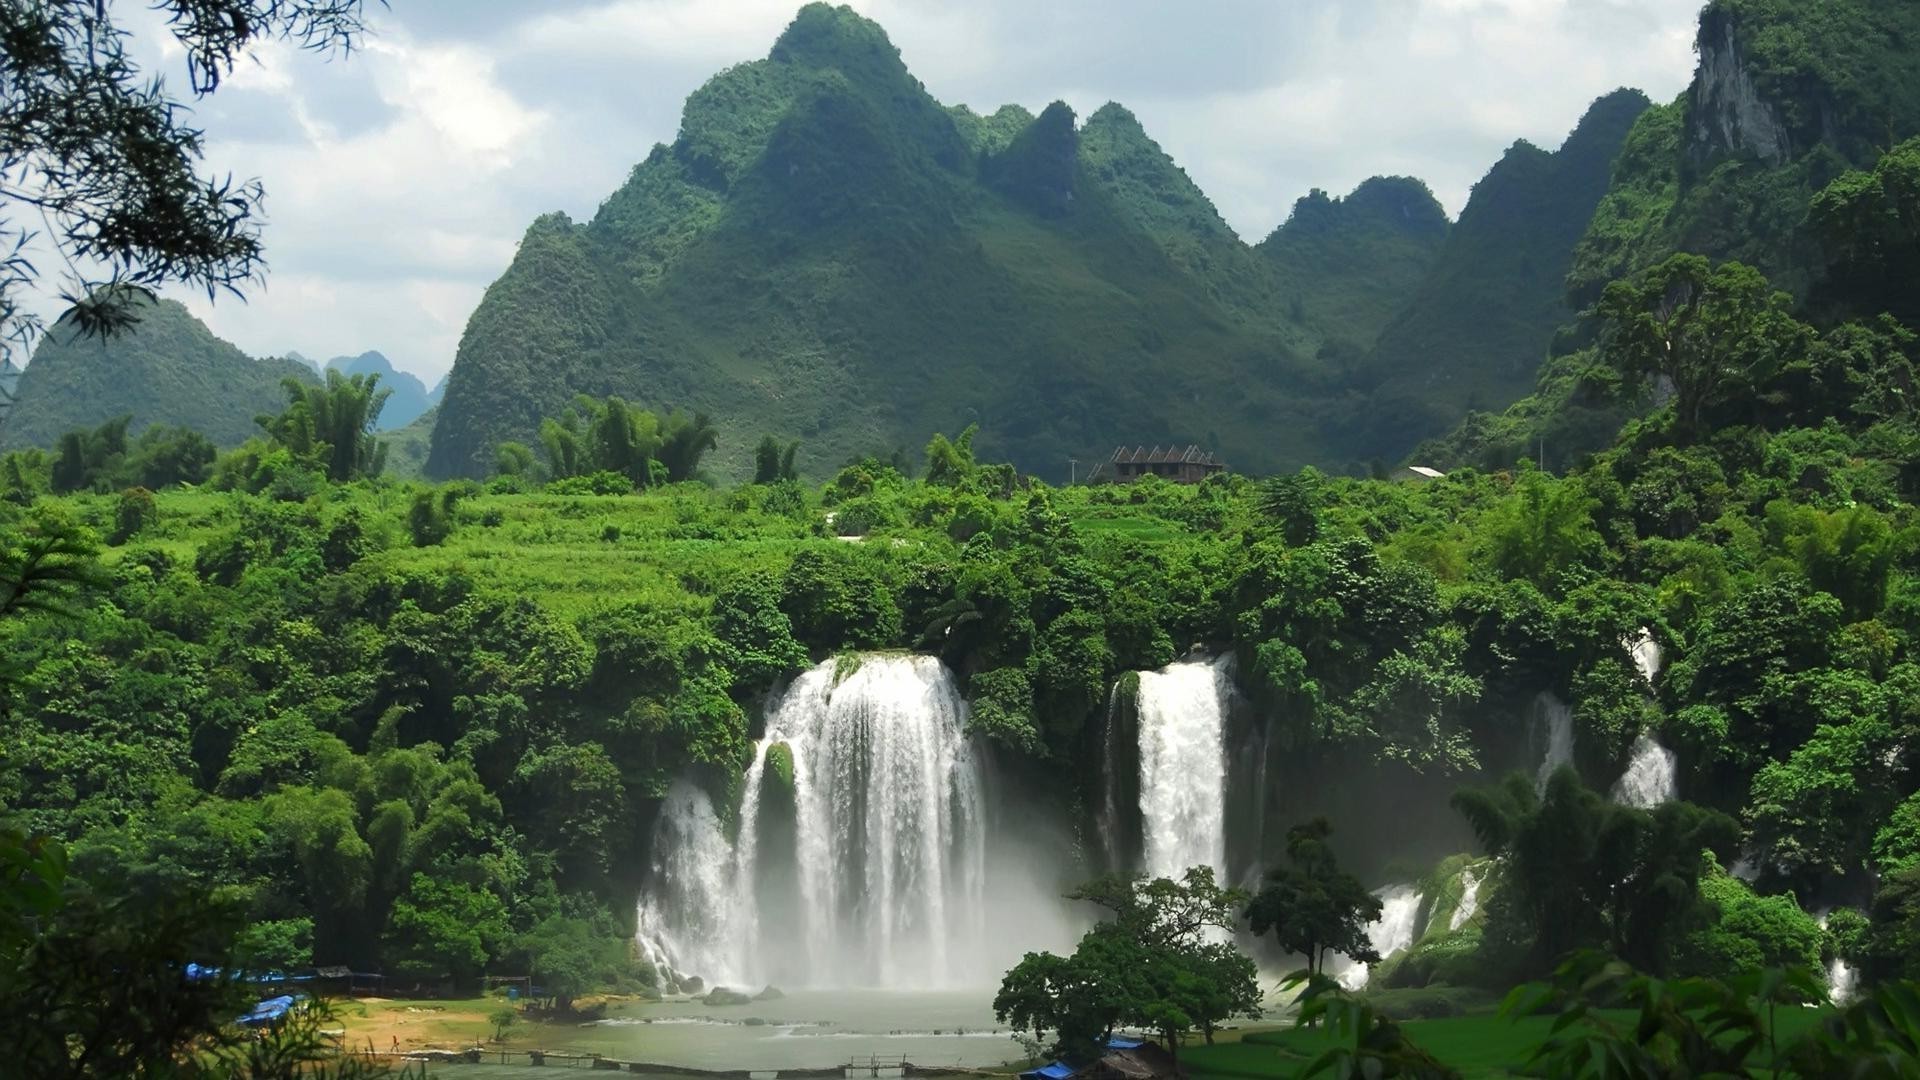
(875, 864)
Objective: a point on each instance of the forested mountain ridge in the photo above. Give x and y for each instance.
(826, 253)
(1473, 332)
(168, 368)
(1344, 266)
(1786, 97)
(1785, 153)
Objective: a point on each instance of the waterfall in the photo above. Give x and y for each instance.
(1469, 899)
(1843, 982)
(1394, 931)
(1646, 654)
(1556, 717)
(693, 870)
(1649, 779)
(889, 844)
(1183, 766)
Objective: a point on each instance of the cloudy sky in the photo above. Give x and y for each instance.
(400, 179)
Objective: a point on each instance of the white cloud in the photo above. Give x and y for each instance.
(400, 179)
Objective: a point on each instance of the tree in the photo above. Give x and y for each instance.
(1311, 906)
(1153, 963)
(100, 152)
(1293, 503)
(773, 463)
(568, 959)
(1711, 334)
(686, 438)
(331, 425)
(1578, 871)
(951, 463)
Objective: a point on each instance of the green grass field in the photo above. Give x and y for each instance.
(1479, 1045)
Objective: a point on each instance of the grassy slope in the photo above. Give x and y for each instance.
(167, 369)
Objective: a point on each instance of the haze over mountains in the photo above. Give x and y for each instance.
(826, 253)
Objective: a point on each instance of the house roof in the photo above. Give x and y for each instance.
(1187, 455)
(1422, 470)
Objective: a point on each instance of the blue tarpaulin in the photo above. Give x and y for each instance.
(269, 1010)
(1059, 1070)
(1121, 1042)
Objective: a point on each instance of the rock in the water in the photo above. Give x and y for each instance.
(720, 995)
(771, 993)
(692, 984)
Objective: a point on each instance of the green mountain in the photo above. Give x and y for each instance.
(409, 399)
(1473, 333)
(1786, 97)
(826, 253)
(167, 369)
(1343, 267)
(1788, 101)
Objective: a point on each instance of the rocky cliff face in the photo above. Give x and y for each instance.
(1726, 114)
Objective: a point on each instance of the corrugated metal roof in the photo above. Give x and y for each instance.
(1187, 455)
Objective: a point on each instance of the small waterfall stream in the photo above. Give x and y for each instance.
(1553, 721)
(1469, 900)
(1646, 653)
(1183, 766)
(1397, 928)
(1649, 779)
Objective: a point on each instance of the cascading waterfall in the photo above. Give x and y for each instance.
(1469, 900)
(1397, 928)
(888, 844)
(1649, 779)
(1183, 766)
(689, 918)
(1554, 718)
(1647, 657)
(1843, 982)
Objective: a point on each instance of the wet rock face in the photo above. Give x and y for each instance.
(1728, 115)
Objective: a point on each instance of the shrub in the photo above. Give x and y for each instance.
(136, 511)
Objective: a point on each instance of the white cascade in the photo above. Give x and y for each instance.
(890, 843)
(1183, 766)
(1469, 899)
(689, 916)
(1394, 931)
(1646, 653)
(1843, 982)
(1649, 779)
(1555, 718)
